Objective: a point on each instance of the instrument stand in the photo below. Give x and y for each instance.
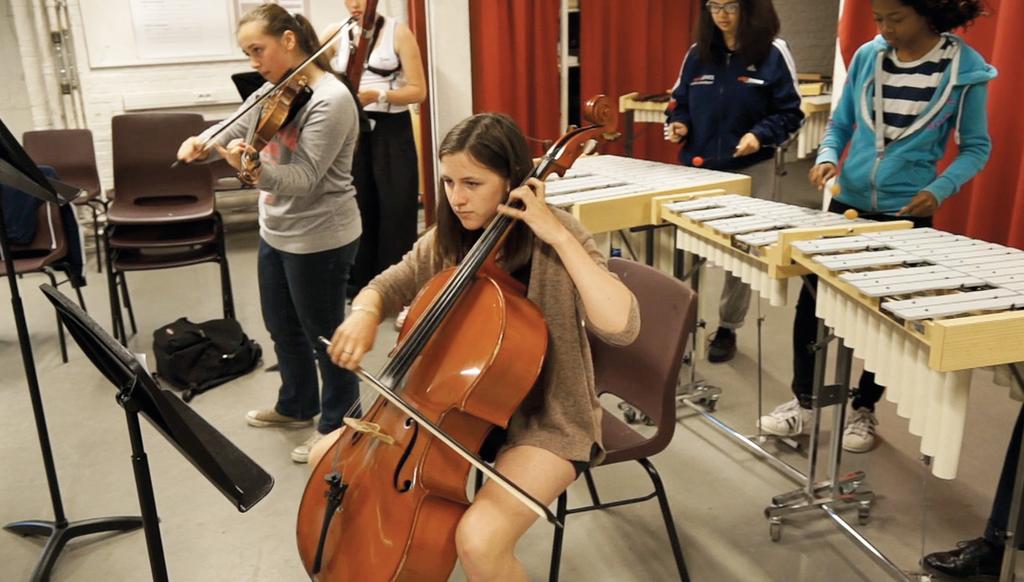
(236, 476)
(839, 492)
(702, 397)
(59, 531)
(128, 400)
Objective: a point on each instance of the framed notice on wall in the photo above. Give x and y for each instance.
(292, 6)
(128, 33)
(181, 29)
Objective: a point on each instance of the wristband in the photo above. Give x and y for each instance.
(365, 308)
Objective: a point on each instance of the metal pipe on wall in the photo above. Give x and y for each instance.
(53, 116)
(61, 42)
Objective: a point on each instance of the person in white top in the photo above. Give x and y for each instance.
(385, 166)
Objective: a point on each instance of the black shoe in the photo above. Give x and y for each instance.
(723, 346)
(977, 559)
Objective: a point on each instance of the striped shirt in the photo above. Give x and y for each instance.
(907, 87)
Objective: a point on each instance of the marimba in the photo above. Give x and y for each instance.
(751, 238)
(608, 193)
(922, 308)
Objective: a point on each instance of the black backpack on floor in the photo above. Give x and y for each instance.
(198, 356)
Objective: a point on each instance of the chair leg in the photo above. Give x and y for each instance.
(556, 543)
(225, 274)
(594, 498)
(81, 299)
(127, 303)
(115, 303)
(60, 324)
(96, 236)
(666, 514)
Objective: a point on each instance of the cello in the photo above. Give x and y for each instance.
(384, 501)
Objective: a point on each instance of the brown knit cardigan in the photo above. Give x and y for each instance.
(561, 414)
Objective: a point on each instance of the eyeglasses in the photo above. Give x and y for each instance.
(728, 7)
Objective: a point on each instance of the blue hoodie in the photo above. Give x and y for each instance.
(883, 178)
(719, 102)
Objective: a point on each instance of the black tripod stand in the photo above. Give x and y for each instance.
(18, 171)
(237, 476)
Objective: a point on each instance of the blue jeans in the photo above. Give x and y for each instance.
(303, 297)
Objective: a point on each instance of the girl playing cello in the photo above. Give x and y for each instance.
(555, 434)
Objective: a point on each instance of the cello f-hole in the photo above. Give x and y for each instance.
(397, 477)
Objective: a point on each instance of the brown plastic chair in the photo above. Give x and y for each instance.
(71, 153)
(161, 217)
(149, 190)
(43, 254)
(644, 374)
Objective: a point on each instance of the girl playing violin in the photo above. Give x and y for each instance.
(555, 434)
(309, 220)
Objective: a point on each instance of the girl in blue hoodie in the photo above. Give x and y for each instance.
(907, 91)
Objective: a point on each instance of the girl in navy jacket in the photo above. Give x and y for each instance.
(735, 101)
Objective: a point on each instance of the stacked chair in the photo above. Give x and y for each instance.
(159, 217)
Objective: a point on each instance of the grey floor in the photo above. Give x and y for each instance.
(717, 490)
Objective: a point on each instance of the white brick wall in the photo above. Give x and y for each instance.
(15, 105)
(103, 89)
(809, 26)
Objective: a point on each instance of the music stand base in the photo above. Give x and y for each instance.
(59, 534)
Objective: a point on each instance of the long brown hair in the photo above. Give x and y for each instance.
(759, 25)
(276, 21)
(496, 142)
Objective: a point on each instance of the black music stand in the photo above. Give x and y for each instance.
(247, 83)
(227, 468)
(18, 171)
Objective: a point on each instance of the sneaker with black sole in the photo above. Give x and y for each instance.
(723, 346)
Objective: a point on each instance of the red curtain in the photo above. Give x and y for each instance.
(634, 46)
(990, 207)
(856, 27)
(418, 25)
(515, 64)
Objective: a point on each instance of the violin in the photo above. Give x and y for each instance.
(278, 110)
(289, 95)
(384, 501)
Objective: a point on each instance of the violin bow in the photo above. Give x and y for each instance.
(238, 115)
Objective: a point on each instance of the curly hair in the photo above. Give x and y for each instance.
(946, 15)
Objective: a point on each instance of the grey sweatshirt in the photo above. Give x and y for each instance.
(307, 199)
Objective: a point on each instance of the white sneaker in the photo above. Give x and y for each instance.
(859, 436)
(300, 454)
(787, 420)
(268, 417)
